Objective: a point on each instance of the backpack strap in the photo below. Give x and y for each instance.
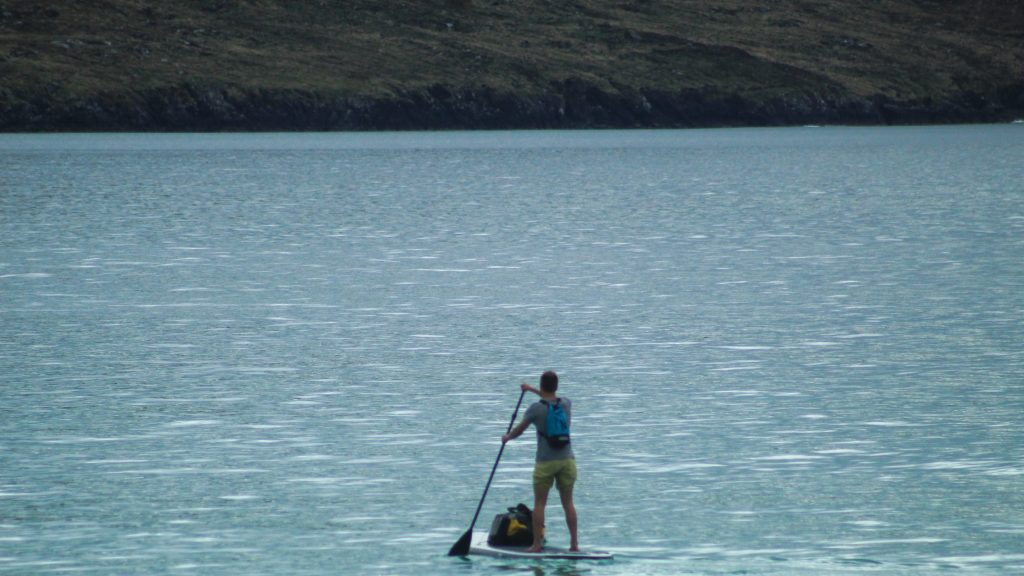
(548, 404)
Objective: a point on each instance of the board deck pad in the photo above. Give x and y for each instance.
(480, 547)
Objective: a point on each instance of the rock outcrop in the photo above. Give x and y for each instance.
(571, 104)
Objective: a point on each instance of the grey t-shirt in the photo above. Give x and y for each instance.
(537, 415)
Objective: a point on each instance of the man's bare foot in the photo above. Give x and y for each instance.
(535, 549)
(574, 549)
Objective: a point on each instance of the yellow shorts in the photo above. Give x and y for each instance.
(563, 471)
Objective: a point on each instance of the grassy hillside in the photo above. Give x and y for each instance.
(254, 64)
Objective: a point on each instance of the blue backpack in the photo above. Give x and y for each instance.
(556, 425)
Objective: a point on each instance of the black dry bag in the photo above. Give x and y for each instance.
(513, 528)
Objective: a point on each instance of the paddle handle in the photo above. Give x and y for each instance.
(498, 459)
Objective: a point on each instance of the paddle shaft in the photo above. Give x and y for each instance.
(496, 460)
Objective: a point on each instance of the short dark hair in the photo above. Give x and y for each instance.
(549, 381)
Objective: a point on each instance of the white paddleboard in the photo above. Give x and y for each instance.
(480, 547)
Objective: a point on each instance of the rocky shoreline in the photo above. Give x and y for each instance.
(572, 104)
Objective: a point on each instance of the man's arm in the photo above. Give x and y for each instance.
(524, 424)
(516, 432)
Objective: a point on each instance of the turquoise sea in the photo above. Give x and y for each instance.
(790, 351)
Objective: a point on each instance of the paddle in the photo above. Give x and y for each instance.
(461, 548)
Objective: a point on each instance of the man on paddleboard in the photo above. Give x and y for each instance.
(554, 465)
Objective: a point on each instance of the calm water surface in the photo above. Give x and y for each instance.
(794, 351)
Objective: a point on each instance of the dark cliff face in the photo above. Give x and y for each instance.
(571, 105)
(360, 65)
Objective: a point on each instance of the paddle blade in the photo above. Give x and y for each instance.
(461, 548)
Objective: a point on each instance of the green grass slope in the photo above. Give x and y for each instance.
(398, 64)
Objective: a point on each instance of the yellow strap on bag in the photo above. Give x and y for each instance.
(515, 527)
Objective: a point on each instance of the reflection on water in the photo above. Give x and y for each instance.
(790, 351)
